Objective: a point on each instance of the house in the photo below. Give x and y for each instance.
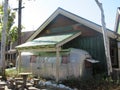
(64, 30)
(117, 30)
(11, 53)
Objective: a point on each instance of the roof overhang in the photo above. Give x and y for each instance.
(48, 43)
(74, 17)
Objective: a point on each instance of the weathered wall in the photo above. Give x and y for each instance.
(89, 40)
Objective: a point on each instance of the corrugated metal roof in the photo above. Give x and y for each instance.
(46, 41)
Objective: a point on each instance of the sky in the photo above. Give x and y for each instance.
(37, 11)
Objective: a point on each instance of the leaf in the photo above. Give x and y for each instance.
(11, 31)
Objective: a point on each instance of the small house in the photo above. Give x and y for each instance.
(10, 51)
(64, 30)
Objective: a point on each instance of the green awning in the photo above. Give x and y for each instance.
(48, 41)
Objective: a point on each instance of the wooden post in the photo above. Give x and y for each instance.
(31, 67)
(57, 63)
(106, 39)
(119, 57)
(19, 21)
(19, 62)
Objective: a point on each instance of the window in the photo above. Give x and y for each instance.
(33, 59)
(65, 59)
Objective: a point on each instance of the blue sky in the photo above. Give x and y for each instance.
(37, 11)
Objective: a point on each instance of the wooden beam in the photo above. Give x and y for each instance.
(39, 50)
(68, 39)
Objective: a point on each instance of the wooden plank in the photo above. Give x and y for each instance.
(39, 50)
(68, 39)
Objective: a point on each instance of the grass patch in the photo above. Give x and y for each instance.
(11, 72)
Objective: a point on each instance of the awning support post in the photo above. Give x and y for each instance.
(19, 62)
(57, 63)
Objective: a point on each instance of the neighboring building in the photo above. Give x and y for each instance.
(12, 54)
(117, 30)
(85, 35)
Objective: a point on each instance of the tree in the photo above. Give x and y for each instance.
(10, 31)
(106, 39)
(1, 14)
(3, 38)
(7, 32)
(13, 34)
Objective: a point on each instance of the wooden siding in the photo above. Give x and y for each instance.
(90, 40)
(61, 24)
(94, 45)
(59, 21)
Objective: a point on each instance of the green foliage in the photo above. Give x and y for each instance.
(1, 13)
(11, 34)
(1, 10)
(11, 17)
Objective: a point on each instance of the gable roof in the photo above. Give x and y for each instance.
(74, 17)
(117, 21)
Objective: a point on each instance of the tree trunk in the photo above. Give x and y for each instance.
(3, 38)
(106, 39)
